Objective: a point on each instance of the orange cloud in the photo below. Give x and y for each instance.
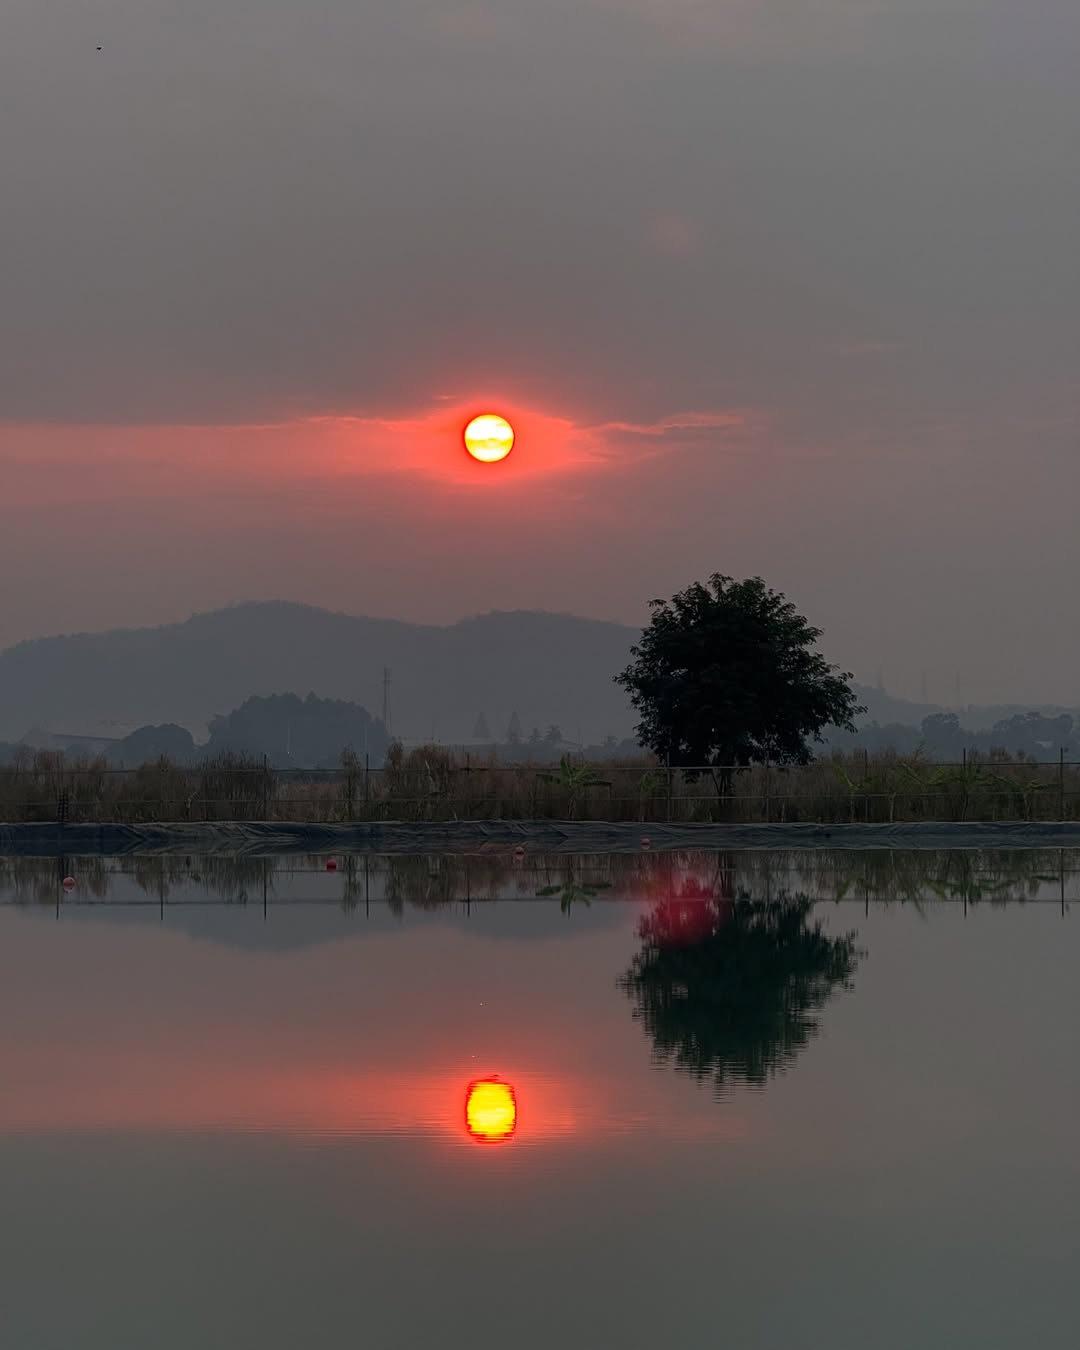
(676, 429)
(47, 464)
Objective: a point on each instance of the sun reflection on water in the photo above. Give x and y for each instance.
(490, 1110)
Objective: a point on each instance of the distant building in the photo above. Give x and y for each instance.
(71, 742)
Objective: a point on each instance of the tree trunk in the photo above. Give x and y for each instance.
(722, 778)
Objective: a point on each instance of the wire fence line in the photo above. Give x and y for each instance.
(432, 784)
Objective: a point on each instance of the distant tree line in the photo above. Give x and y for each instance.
(288, 731)
(942, 737)
(545, 747)
(726, 675)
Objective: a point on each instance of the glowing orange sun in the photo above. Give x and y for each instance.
(489, 438)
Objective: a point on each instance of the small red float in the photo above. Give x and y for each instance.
(331, 864)
(68, 884)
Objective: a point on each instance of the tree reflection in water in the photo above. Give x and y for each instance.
(729, 989)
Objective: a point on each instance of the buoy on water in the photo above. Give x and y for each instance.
(331, 864)
(519, 852)
(645, 841)
(68, 884)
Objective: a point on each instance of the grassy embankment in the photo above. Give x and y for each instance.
(430, 783)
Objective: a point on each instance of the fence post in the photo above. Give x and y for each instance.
(768, 812)
(1061, 782)
(669, 789)
(61, 794)
(865, 779)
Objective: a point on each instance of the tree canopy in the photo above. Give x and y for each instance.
(148, 743)
(725, 674)
(290, 730)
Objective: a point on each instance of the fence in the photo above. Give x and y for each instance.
(431, 784)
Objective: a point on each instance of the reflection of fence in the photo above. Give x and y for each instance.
(921, 878)
(432, 785)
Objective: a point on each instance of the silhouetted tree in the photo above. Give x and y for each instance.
(732, 994)
(147, 744)
(724, 675)
(943, 734)
(1033, 733)
(289, 730)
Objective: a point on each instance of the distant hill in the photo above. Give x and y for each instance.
(549, 668)
(884, 708)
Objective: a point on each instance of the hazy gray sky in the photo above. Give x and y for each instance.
(784, 287)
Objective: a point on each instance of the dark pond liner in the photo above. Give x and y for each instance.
(264, 838)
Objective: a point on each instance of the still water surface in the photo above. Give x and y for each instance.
(235, 1102)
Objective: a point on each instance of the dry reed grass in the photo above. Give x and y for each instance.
(430, 783)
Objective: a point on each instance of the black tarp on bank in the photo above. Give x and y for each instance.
(265, 838)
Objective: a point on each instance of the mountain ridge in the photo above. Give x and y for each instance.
(548, 667)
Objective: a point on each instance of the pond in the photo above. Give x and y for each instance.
(668, 1100)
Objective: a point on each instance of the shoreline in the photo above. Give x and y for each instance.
(261, 838)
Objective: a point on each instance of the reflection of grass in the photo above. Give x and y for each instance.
(429, 881)
(947, 874)
(571, 892)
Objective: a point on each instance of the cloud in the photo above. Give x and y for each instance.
(91, 464)
(738, 422)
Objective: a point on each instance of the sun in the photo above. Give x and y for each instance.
(489, 438)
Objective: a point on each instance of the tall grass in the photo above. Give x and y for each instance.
(431, 783)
